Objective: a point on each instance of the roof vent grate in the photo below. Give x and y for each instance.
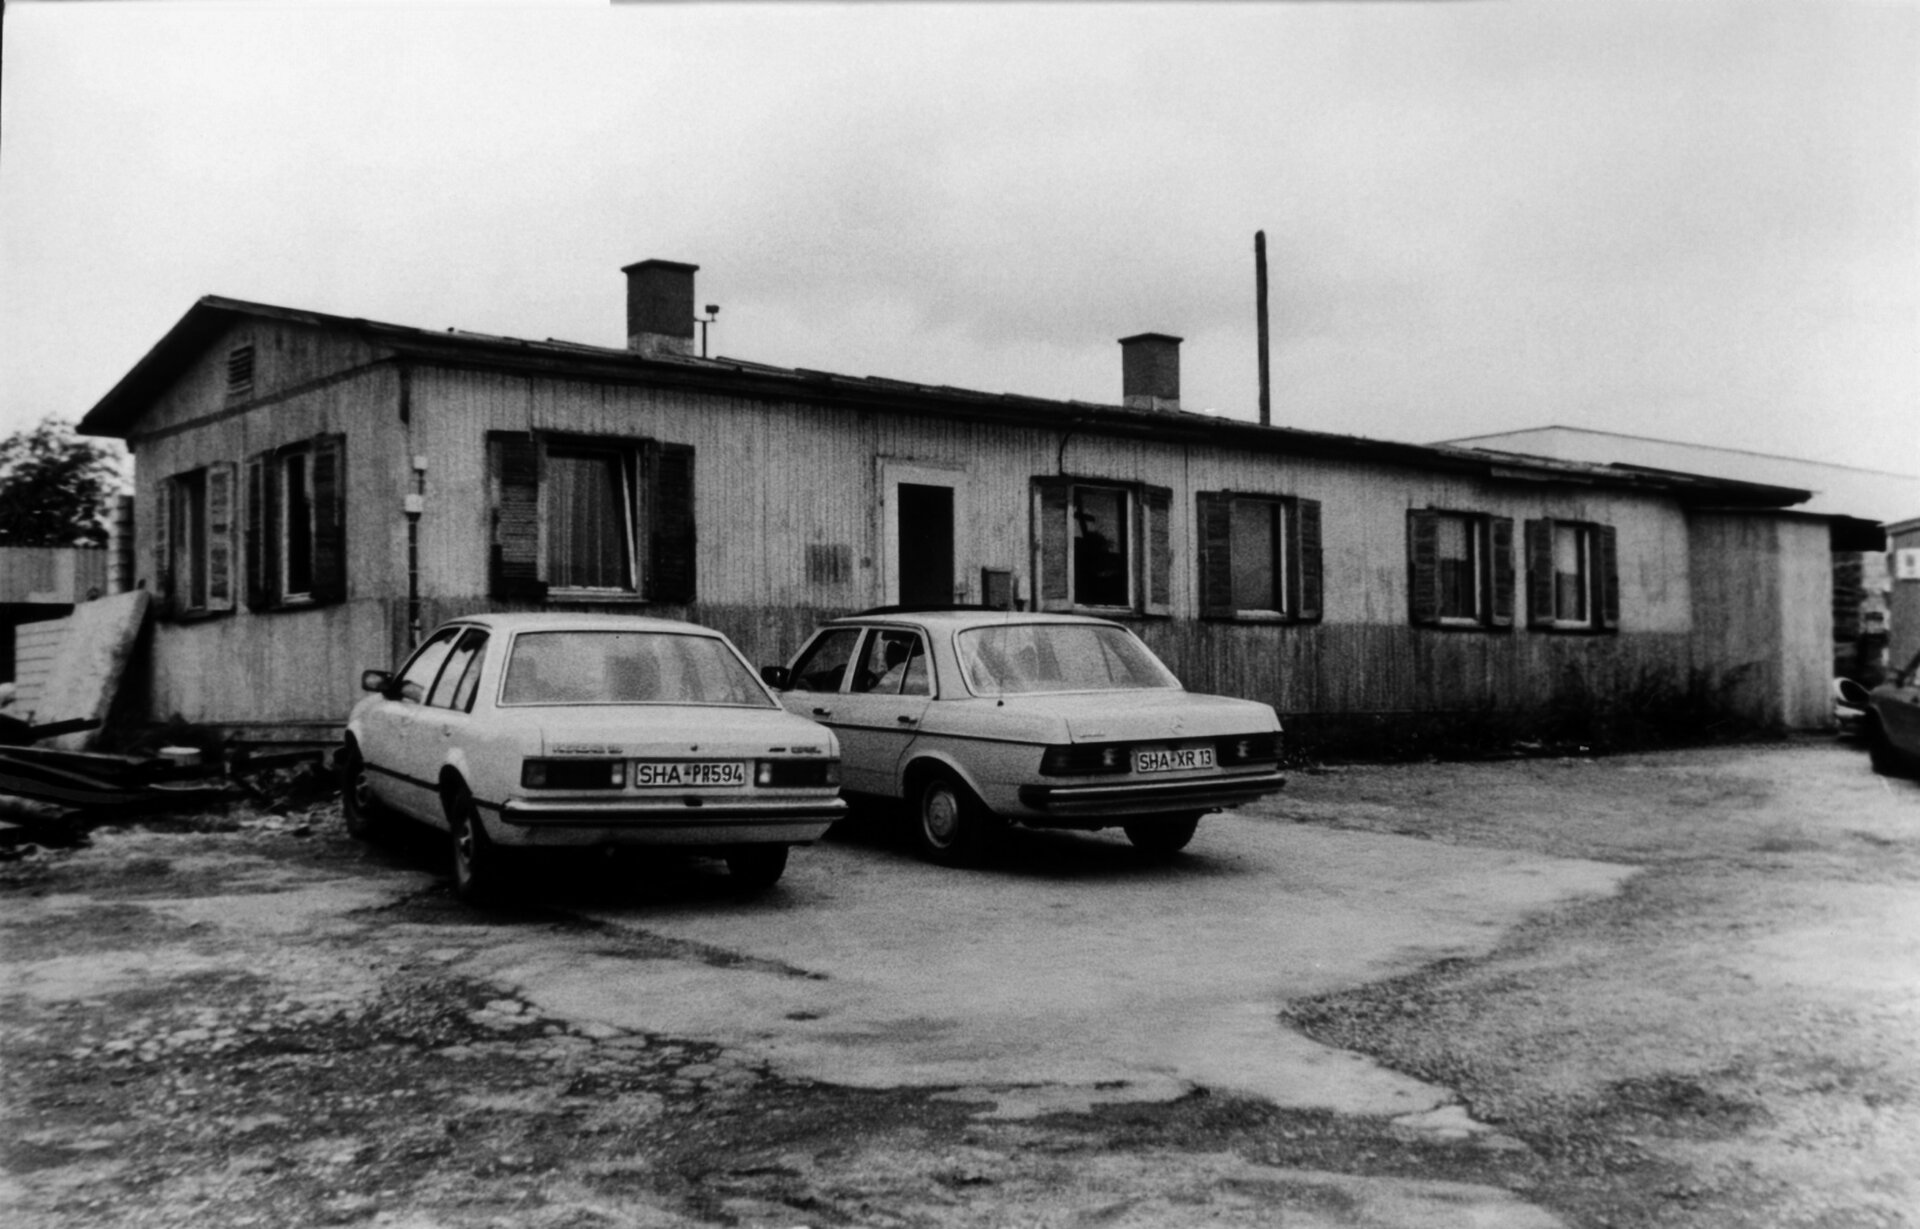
(240, 371)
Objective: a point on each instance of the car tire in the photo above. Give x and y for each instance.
(476, 861)
(364, 817)
(950, 826)
(1881, 753)
(755, 868)
(1162, 838)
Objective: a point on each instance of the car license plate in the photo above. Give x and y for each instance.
(1173, 759)
(655, 774)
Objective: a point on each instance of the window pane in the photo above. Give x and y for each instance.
(1025, 657)
(587, 543)
(883, 667)
(1459, 567)
(1100, 547)
(191, 570)
(825, 663)
(418, 675)
(1570, 573)
(296, 520)
(1256, 556)
(453, 678)
(627, 668)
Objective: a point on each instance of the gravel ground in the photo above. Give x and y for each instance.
(1732, 1040)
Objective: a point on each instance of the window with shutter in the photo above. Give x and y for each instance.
(1460, 569)
(1103, 547)
(1259, 556)
(193, 541)
(1573, 575)
(580, 518)
(295, 527)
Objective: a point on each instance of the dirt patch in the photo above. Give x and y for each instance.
(239, 1024)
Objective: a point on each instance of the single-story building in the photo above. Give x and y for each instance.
(314, 491)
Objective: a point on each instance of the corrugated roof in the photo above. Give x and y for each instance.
(117, 413)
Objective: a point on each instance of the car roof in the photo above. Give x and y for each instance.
(565, 621)
(959, 620)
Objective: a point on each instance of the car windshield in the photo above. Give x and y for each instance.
(1013, 658)
(618, 667)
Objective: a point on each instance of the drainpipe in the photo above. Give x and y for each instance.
(416, 502)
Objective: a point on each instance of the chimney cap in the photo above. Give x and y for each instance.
(675, 265)
(1152, 337)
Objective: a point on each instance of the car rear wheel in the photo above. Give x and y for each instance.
(1162, 838)
(365, 818)
(950, 826)
(476, 862)
(756, 868)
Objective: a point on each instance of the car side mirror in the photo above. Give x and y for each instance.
(376, 680)
(777, 677)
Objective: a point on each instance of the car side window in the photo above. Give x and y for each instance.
(894, 664)
(824, 663)
(455, 686)
(418, 675)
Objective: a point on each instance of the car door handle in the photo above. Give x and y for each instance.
(904, 719)
(823, 712)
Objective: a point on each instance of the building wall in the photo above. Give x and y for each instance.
(773, 478)
(1762, 614)
(1903, 601)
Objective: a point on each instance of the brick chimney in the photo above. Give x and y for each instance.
(1150, 371)
(660, 307)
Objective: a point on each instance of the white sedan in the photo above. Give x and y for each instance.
(583, 731)
(979, 719)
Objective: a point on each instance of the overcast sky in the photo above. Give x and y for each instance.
(1685, 220)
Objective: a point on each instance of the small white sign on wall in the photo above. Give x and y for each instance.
(1906, 563)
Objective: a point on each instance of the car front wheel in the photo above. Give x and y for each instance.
(756, 867)
(476, 862)
(951, 827)
(1881, 752)
(1162, 838)
(361, 811)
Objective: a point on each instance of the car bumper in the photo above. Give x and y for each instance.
(675, 821)
(1070, 802)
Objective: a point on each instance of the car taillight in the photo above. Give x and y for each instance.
(1085, 760)
(1245, 748)
(796, 773)
(573, 774)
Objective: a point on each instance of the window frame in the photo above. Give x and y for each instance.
(1296, 570)
(1148, 549)
(1597, 544)
(282, 536)
(657, 517)
(1490, 540)
(194, 526)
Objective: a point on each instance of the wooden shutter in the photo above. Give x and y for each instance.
(1607, 568)
(1304, 561)
(163, 497)
(1500, 571)
(1539, 573)
(263, 531)
(1423, 566)
(1157, 501)
(329, 477)
(220, 518)
(1050, 499)
(514, 564)
(670, 525)
(1213, 511)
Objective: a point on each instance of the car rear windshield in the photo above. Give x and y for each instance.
(1013, 658)
(588, 667)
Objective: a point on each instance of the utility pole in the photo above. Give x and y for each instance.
(1260, 297)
